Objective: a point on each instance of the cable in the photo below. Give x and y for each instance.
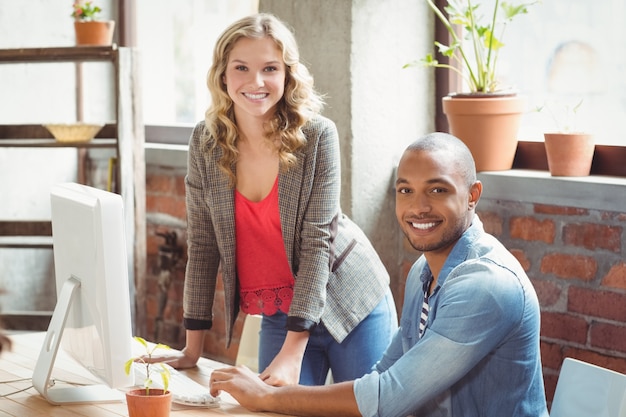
(52, 383)
(17, 391)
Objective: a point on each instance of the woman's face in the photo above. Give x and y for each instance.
(255, 77)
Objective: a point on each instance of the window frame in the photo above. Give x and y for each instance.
(174, 134)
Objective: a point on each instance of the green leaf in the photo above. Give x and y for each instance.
(128, 365)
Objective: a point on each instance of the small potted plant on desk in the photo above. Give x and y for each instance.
(88, 29)
(147, 401)
(492, 140)
(569, 151)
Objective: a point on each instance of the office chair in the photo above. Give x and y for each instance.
(249, 343)
(586, 390)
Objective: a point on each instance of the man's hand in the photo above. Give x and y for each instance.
(255, 395)
(243, 384)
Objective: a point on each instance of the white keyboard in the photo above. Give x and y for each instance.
(184, 390)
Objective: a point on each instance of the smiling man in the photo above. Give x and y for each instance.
(468, 344)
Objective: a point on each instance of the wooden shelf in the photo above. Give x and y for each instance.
(37, 136)
(125, 135)
(51, 143)
(38, 131)
(62, 54)
(26, 242)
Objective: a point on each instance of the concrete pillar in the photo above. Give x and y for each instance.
(356, 49)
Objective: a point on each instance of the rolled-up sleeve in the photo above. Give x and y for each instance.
(471, 319)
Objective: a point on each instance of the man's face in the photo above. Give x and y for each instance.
(434, 204)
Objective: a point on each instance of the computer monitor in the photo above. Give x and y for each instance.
(92, 317)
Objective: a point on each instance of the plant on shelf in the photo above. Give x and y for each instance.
(88, 28)
(477, 51)
(486, 118)
(569, 151)
(565, 117)
(85, 11)
(148, 401)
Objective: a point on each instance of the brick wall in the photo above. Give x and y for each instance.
(574, 257)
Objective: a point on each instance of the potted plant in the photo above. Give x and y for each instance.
(147, 401)
(88, 29)
(487, 116)
(569, 151)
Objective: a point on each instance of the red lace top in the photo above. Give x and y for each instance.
(265, 279)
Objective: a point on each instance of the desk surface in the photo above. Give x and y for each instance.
(16, 369)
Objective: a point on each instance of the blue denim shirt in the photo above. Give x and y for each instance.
(479, 355)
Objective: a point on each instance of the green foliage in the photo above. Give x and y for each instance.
(164, 372)
(483, 40)
(85, 11)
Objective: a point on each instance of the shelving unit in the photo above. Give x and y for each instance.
(125, 136)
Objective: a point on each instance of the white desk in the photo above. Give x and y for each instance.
(18, 364)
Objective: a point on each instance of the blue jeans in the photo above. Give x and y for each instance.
(348, 360)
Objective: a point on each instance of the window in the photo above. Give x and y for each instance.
(562, 52)
(176, 41)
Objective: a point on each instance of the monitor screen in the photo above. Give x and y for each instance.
(92, 317)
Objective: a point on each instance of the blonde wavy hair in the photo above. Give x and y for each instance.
(298, 105)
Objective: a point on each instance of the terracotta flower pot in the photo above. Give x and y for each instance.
(156, 404)
(488, 125)
(94, 33)
(569, 154)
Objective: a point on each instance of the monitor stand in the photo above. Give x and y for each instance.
(45, 362)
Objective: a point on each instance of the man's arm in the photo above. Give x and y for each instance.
(255, 395)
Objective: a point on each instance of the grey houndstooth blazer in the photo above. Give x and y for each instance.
(339, 277)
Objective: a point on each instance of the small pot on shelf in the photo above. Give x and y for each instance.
(94, 33)
(569, 154)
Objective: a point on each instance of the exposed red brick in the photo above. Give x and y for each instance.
(160, 184)
(616, 277)
(167, 205)
(559, 210)
(608, 336)
(548, 292)
(521, 258)
(179, 185)
(603, 304)
(612, 215)
(492, 222)
(564, 327)
(593, 236)
(549, 382)
(569, 266)
(551, 355)
(529, 228)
